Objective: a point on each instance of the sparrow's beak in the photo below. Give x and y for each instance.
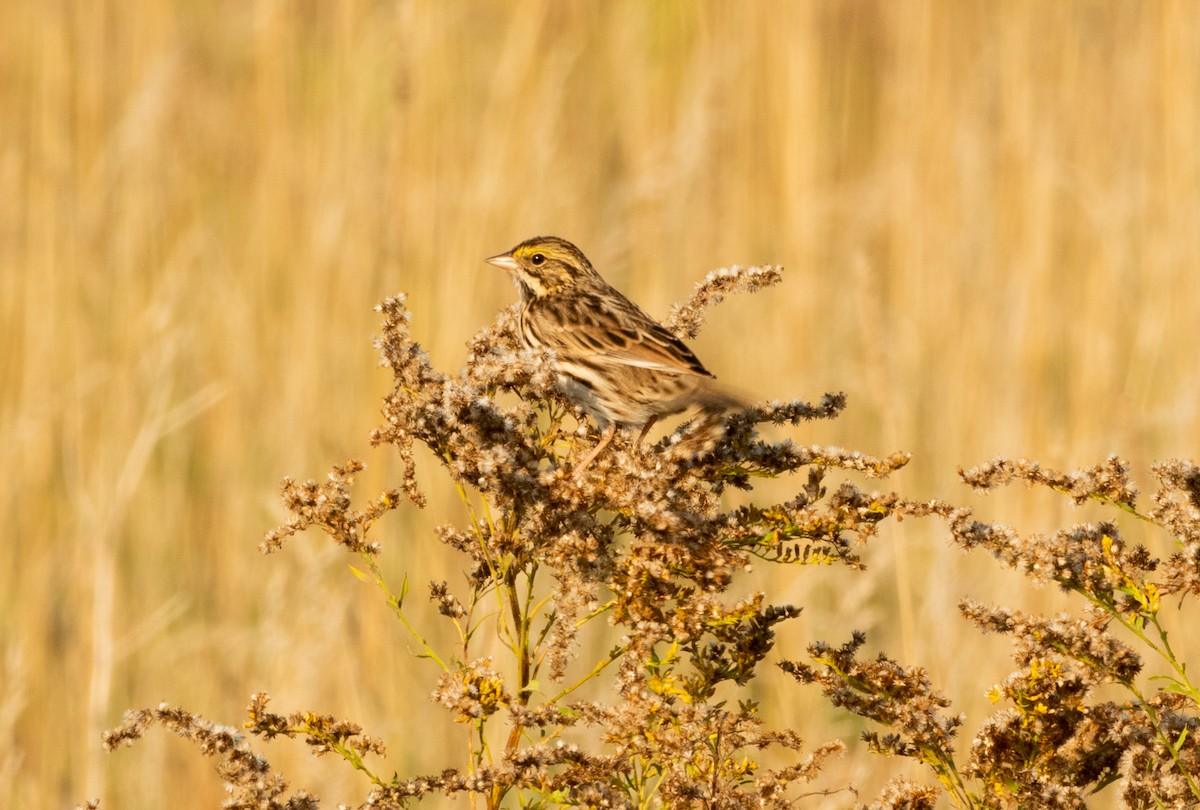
(505, 261)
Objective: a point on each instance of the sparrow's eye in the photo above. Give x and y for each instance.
(537, 259)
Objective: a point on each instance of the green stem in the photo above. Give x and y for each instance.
(345, 752)
(616, 653)
(397, 608)
(1165, 652)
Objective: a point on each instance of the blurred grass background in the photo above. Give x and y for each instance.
(989, 212)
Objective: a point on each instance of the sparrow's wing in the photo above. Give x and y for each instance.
(608, 326)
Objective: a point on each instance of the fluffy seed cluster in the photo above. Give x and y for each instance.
(472, 691)
(884, 691)
(687, 318)
(248, 778)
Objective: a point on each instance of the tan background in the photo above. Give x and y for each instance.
(989, 212)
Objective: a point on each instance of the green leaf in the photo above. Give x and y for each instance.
(1172, 684)
(1179, 742)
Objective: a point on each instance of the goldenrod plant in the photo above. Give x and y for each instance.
(637, 546)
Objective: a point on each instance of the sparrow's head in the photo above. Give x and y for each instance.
(545, 265)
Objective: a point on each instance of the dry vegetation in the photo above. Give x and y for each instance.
(988, 212)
